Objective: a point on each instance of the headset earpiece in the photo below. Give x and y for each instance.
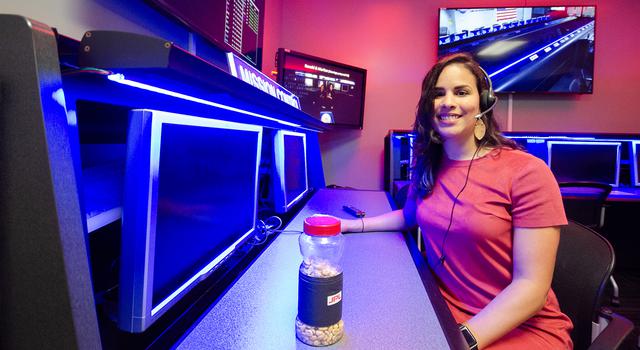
(487, 97)
(487, 100)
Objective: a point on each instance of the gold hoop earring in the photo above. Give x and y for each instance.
(480, 129)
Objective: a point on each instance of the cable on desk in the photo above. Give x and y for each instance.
(266, 228)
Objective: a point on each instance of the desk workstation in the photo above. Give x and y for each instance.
(386, 304)
(617, 194)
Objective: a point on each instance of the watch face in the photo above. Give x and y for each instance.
(471, 340)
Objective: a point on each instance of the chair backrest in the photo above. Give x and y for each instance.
(583, 265)
(401, 196)
(584, 201)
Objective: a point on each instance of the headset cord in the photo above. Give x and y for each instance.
(442, 258)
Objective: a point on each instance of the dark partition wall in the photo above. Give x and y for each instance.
(46, 299)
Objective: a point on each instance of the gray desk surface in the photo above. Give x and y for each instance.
(385, 305)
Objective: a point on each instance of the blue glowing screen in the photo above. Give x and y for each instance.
(585, 161)
(295, 168)
(206, 199)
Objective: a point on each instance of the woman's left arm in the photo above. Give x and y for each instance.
(534, 256)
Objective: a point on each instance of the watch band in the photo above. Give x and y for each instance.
(468, 336)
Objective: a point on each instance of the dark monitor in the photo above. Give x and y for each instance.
(635, 160)
(585, 161)
(525, 49)
(330, 91)
(235, 26)
(189, 201)
(291, 182)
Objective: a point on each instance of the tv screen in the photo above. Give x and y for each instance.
(525, 49)
(329, 91)
(290, 154)
(585, 161)
(235, 26)
(190, 199)
(635, 160)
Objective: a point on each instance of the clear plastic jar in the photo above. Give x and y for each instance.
(319, 320)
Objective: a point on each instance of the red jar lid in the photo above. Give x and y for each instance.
(321, 225)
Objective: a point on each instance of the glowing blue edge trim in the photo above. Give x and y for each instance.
(634, 160)
(533, 53)
(159, 119)
(588, 138)
(120, 78)
(279, 154)
(618, 144)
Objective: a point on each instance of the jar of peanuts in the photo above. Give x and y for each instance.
(319, 321)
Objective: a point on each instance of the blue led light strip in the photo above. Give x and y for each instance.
(555, 44)
(120, 79)
(571, 138)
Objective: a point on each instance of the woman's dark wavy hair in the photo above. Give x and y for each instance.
(427, 147)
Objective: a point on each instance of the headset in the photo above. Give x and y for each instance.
(488, 101)
(488, 98)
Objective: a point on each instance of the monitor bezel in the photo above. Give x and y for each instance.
(617, 144)
(137, 310)
(281, 59)
(281, 202)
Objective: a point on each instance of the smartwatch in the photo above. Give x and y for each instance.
(468, 336)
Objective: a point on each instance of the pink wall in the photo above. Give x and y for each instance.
(395, 42)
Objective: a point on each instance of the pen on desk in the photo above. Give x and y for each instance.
(354, 211)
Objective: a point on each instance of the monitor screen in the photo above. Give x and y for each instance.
(291, 169)
(635, 160)
(525, 49)
(190, 199)
(329, 91)
(585, 161)
(235, 26)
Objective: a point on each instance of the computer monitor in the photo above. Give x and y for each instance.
(329, 91)
(585, 161)
(189, 201)
(290, 180)
(236, 26)
(542, 49)
(635, 162)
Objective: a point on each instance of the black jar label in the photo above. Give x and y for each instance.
(319, 300)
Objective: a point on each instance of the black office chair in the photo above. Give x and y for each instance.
(584, 202)
(584, 263)
(400, 198)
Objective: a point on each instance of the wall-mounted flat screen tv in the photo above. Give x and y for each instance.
(330, 91)
(585, 161)
(190, 199)
(290, 181)
(525, 49)
(235, 26)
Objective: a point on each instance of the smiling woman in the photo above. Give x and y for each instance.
(493, 260)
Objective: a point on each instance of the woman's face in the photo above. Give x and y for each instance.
(456, 103)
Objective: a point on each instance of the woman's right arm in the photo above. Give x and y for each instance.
(397, 220)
